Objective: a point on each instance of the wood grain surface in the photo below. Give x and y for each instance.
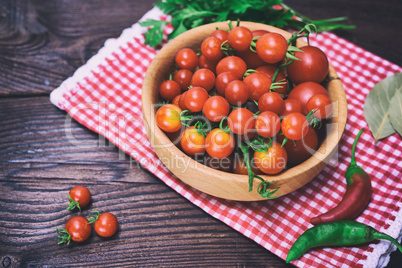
(42, 42)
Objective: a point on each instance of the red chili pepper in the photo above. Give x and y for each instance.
(357, 195)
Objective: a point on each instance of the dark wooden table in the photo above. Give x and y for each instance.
(42, 42)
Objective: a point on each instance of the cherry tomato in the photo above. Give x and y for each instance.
(211, 48)
(271, 101)
(294, 126)
(257, 84)
(79, 228)
(304, 91)
(168, 118)
(169, 89)
(222, 80)
(268, 124)
(291, 106)
(323, 105)
(219, 144)
(303, 149)
(312, 66)
(176, 100)
(241, 121)
(204, 78)
(186, 58)
(204, 63)
(192, 142)
(237, 93)
(272, 161)
(232, 64)
(271, 47)
(183, 78)
(269, 70)
(182, 104)
(240, 38)
(195, 98)
(215, 108)
(259, 32)
(224, 164)
(251, 58)
(221, 34)
(79, 197)
(106, 225)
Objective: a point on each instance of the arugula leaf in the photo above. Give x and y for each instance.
(154, 35)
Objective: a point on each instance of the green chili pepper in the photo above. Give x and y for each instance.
(340, 233)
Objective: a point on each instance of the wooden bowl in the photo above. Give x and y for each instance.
(217, 183)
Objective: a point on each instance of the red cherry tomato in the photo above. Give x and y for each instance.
(204, 78)
(221, 34)
(219, 144)
(168, 118)
(294, 126)
(195, 98)
(259, 32)
(304, 91)
(240, 38)
(186, 58)
(176, 100)
(312, 66)
(272, 161)
(271, 47)
(291, 106)
(211, 48)
(204, 63)
(322, 103)
(303, 149)
(237, 93)
(241, 121)
(79, 228)
(251, 58)
(222, 80)
(268, 124)
(216, 108)
(192, 142)
(106, 225)
(169, 89)
(232, 64)
(271, 101)
(183, 78)
(257, 84)
(182, 104)
(79, 197)
(269, 70)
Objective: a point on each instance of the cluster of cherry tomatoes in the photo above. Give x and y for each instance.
(78, 228)
(246, 89)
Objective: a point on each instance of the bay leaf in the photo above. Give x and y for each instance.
(395, 111)
(376, 106)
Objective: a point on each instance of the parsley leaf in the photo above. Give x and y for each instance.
(154, 35)
(188, 14)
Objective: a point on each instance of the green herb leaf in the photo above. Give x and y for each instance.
(376, 106)
(395, 110)
(187, 14)
(154, 35)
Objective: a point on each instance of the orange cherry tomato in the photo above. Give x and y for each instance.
(273, 160)
(219, 144)
(168, 118)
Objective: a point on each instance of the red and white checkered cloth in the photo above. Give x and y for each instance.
(105, 96)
